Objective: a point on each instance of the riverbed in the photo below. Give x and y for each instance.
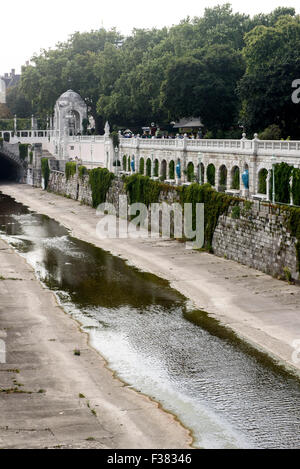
(227, 395)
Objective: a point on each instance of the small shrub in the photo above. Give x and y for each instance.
(287, 274)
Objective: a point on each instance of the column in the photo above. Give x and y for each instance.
(205, 175)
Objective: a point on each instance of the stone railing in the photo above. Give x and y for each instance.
(255, 146)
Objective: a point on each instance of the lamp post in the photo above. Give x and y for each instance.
(200, 158)
(273, 159)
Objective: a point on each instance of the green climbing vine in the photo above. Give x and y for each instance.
(124, 161)
(172, 170)
(23, 150)
(148, 167)
(211, 174)
(142, 166)
(296, 186)
(82, 171)
(190, 172)
(45, 171)
(142, 189)
(236, 179)
(100, 180)
(294, 227)
(262, 181)
(155, 169)
(216, 204)
(70, 170)
(283, 173)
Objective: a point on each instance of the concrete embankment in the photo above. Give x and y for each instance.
(49, 396)
(260, 309)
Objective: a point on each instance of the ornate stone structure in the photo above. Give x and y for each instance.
(69, 112)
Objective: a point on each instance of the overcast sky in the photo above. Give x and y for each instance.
(31, 25)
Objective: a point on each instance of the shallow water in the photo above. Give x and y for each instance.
(228, 396)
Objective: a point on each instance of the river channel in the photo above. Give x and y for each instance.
(227, 395)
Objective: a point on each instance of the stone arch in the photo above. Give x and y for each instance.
(148, 167)
(222, 178)
(142, 166)
(262, 181)
(163, 170)
(190, 172)
(235, 178)
(211, 174)
(172, 170)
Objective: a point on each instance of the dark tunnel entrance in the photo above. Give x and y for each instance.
(9, 170)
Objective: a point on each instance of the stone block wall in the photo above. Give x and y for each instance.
(258, 237)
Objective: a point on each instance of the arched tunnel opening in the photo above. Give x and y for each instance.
(9, 170)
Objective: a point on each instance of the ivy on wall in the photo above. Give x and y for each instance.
(190, 172)
(236, 179)
(211, 174)
(296, 186)
(216, 204)
(294, 228)
(283, 173)
(142, 189)
(100, 180)
(172, 170)
(70, 170)
(82, 171)
(45, 171)
(124, 160)
(23, 150)
(142, 166)
(148, 167)
(262, 181)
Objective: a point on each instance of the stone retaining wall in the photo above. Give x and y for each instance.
(257, 236)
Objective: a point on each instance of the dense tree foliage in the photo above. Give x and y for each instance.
(272, 58)
(224, 67)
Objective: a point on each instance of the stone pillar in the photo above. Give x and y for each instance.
(205, 175)
(217, 177)
(228, 179)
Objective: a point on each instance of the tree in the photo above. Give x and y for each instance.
(203, 84)
(271, 54)
(17, 103)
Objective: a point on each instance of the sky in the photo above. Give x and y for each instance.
(33, 25)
